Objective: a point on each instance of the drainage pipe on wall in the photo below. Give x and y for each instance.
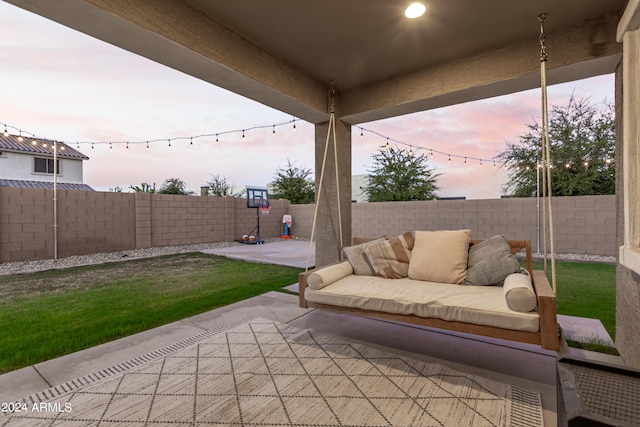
(55, 200)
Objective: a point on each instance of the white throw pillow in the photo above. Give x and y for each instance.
(519, 293)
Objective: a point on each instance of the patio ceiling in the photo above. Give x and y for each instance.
(284, 53)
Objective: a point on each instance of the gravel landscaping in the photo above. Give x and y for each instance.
(74, 261)
(99, 258)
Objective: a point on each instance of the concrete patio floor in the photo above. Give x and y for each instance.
(521, 365)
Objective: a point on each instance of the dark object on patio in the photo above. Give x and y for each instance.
(257, 198)
(597, 394)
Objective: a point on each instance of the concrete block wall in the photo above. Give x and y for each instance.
(92, 222)
(583, 225)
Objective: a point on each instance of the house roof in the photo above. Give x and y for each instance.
(18, 183)
(41, 146)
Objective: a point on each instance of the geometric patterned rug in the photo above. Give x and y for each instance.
(268, 374)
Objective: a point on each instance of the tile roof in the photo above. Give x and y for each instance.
(12, 143)
(17, 183)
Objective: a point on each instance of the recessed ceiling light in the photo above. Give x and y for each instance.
(415, 10)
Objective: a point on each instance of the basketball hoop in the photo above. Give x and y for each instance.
(264, 210)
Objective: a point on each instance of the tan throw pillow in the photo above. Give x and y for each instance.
(390, 258)
(440, 256)
(355, 256)
(519, 294)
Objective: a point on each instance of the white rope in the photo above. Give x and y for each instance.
(335, 159)
(546, 147)
(319, 193)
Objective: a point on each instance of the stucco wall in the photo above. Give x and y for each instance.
(583, 225)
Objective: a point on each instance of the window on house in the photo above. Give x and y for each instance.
(42, 165)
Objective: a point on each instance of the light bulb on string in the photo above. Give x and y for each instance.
(410, 151)
(387, 146)
(494, 163)
(480, 163)
(567, 165)
(147, 145)
(273, 133)
(361, 135)
(92, 145)
(110, 146)
(449, 158)
(586, 164)
(127, 145)
(294, 125)
(20, 136)
(431, 154)
(6, 132)
(465, 161)
(217, 140)
(34, 142)
(191, 142)
(242, 133)
(169, 143)
(78, 145)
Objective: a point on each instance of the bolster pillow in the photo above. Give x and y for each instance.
(518, 292)
(328, 275)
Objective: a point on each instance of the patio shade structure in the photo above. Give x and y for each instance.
(285, 53)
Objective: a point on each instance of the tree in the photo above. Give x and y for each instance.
(294, 184)
(582, 140)
(398, 175)
(174, 186)
(220, 187)
(143, 188)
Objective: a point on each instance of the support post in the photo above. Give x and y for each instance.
(328, 246)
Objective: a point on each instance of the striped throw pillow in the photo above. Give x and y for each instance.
(390, 258)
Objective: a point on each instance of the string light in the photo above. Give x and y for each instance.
(412, 148)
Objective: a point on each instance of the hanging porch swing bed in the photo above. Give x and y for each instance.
(442, 278)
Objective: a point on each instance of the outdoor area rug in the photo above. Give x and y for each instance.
(268, 374)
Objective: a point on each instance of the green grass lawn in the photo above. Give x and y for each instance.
(49, 314)
(586, 290)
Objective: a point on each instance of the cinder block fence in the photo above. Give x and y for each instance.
(583, 225)
(92, 222)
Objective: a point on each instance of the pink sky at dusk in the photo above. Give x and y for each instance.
(61, 84)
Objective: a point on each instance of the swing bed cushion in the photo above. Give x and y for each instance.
(521, 310)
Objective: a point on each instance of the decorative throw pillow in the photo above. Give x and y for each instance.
(490, 262)
(328, 275)
(390, 258)
(518, 292)
(355, 256)
(440, 256)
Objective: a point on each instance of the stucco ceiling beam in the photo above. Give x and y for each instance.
(184, 38)
(575, 53)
